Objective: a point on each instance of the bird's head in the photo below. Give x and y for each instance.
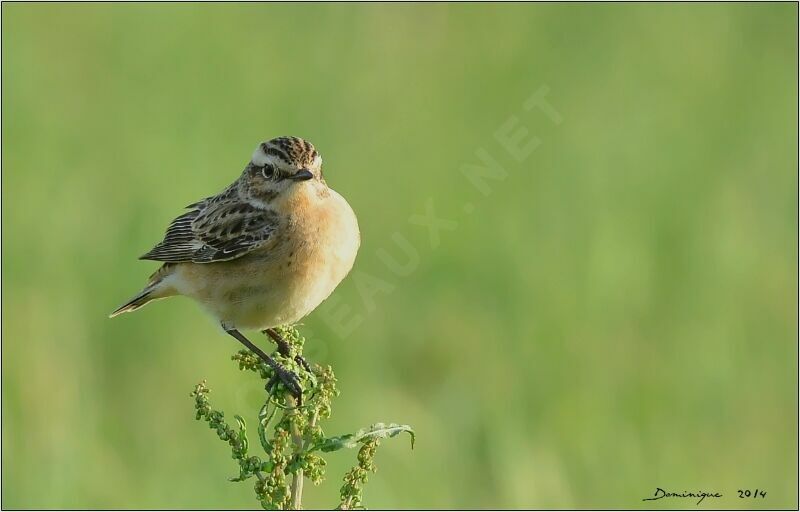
(281, 165)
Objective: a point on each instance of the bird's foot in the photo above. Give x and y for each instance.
(289, 379)
(284, 350)
(302, 362)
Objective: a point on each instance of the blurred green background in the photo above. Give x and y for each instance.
(618, 314)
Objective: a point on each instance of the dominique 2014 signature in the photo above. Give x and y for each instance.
(701, 495)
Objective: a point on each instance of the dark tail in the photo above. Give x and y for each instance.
(157, 288)
(135, 303)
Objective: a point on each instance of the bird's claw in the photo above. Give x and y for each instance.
(284, 350)
(289, 379)
(302, 362)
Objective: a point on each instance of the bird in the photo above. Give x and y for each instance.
(264, 252)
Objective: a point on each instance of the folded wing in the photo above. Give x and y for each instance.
(215, 231)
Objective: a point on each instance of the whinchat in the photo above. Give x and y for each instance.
(264, 252)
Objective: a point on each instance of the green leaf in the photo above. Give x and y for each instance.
(242, 433)
(264, 417)
(241, 422)
(378, 430)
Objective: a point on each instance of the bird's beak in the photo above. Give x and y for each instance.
(302, 175)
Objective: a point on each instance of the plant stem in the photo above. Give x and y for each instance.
(297, 480)
(297, 491)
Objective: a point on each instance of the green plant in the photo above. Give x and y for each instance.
(294, 441)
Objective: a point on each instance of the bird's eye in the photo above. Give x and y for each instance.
(268, 171)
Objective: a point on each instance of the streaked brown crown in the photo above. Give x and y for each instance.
(294, 151)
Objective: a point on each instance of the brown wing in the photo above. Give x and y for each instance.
(215, 231)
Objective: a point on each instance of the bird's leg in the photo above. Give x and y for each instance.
(283, 348)
(289, 379)
(283, 345)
